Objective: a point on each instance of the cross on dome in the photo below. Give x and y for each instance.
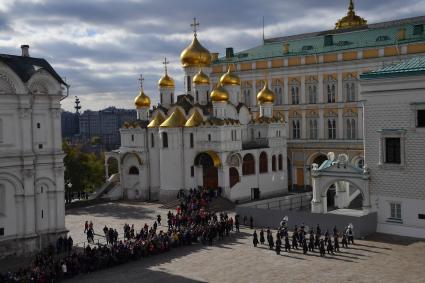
(165, 62)
(141, 79)
(194, 26)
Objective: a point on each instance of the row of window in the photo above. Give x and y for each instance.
(311, 93)
(313, 133)
(248, 163)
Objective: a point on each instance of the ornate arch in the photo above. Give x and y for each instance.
(49, 183)
(6, 85)
(139, 160)
(41, 82)
(14, 181)
(234, 159)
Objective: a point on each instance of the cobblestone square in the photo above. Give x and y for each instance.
(381, 258)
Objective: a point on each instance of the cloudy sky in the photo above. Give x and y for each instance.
(101, 46)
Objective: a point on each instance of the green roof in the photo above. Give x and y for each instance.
(374, 35)
(410, 67)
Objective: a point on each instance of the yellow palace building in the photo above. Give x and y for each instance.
(315, 79)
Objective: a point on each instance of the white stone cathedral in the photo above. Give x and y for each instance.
(32, 209)
(204, 137)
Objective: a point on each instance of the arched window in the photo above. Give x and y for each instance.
(314, 94)
(248, 164)
(294, 95)
(233, 176)
(274, 163)
(360, 163)
(152, 140)
(164, 140)
(331, 129)
(133, 171)
(280, 162)
(263, 163)
(197, 96)
(160, 98)
(353, 92)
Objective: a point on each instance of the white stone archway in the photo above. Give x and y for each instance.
(340, 172)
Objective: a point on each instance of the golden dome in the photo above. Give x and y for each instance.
(195, 55)
(176, 119)
(201, 78)
(166, 81)
(157, 121)
(142, 100)
(219, 94)
(230, 79)
(265, 95)
(194, 120)
(351, 19)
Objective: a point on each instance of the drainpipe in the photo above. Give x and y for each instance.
(364, 136)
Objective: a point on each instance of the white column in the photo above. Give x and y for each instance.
(302, 89)
(254, 94)
(339, 82)
(285, 90)
(303, 125)
(320, 87)
(321, 125)
(340, 125)
(359, 123)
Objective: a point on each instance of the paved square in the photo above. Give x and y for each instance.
(378, 259)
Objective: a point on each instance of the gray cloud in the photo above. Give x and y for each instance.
(101, 46)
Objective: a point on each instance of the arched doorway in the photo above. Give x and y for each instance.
(318, 159)
(343, 195)
(209, 162)
(233, 176)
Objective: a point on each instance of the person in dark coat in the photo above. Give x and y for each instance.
(336, 244)
(350, 235)
(278, 245)
(262, 240)
(255, 239)
(237, 223)
(251, 222)
(344, 241)
(158, 219)
(311, 243)
(295, 240)
(270, 240)
(322, 247)
(305, 247)
(287, 244)
(330, 248)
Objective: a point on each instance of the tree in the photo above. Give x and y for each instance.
(85, 171)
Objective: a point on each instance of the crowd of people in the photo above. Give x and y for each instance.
(190, 223)
(307, 241)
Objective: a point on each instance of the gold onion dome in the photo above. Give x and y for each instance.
(201, 78)
(351, 19)
(142, 100)
(194, 120)
(195, 55)
(219, 94)
(157, 121)
(176, 119)
(166, 81)
(230, 78)
(265, 95)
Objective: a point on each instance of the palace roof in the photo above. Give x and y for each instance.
(410, 67)
(367, 36)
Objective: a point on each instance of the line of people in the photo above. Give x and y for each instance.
(307, 241)
(191, 223)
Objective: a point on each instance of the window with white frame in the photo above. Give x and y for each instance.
(350, 91)
(296, 129)
(391, 148)
(331, 92)
(313, 132)
(420, 118)
(295, 96)
(312, 93)
(331, 128)
(395, 211)
(350, 128)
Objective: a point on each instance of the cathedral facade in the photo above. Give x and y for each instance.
(206, 137)
(32, 207)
